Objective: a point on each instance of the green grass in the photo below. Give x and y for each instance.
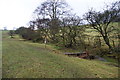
(24, 59)
(110, 59)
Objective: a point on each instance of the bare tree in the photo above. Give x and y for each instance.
(72, 24)
(54, 10)
(101, 21)
(42, 26)
(32, 25)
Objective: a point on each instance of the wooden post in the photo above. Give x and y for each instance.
(45, 42)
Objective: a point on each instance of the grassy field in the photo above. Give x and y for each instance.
(23, 59)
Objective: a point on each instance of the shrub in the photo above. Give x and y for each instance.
(11, 33)
(99, 51)
(28, 34)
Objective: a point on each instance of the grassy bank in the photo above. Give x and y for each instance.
(23, 59)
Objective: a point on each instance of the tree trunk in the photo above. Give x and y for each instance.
(106, 39)
(63, 37)
(113, 43)
(99, 42)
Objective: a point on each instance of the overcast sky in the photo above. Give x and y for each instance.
(16, 13)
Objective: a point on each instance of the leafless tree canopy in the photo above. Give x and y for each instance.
(101, 20)
(53, 9)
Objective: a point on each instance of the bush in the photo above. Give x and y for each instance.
(99, 51)
(38, 40)
(117, 49)
(11, 33)
(28, 34)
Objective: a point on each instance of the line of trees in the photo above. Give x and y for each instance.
(55, 23)
(101, 20)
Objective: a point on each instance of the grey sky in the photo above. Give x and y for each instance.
(16, 13)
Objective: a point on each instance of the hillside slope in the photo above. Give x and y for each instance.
(23, 59)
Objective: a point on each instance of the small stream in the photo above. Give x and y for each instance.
(100, 58)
